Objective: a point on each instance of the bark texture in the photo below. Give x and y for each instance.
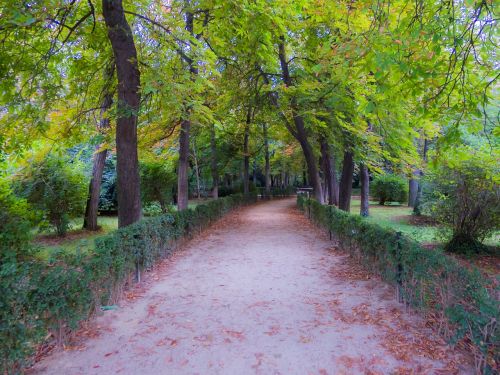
(328, 171)
(365, 190)
(246, 154)
(267, 168)
(183, 167)
(345, 189)
(213, 164)
(99, 159)
(127, 164)
(413, 189)
(299, 131)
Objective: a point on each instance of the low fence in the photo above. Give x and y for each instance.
(429, 281)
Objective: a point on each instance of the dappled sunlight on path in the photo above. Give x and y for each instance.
(261, 292)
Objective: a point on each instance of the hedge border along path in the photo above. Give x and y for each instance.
(41, 299)
(427, 281)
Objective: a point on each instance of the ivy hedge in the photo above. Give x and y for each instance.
(39, 299)
(464, 303)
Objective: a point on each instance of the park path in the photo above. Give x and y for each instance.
(260, 292)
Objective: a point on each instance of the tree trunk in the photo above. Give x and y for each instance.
(418, 200)
(127, 165)
(197, 171)
(300, 132)
(92, 206)
(335, 182)
(365, 190)
(328, 171)
(254, 170)
(183, 175)
(183, 168)
(346, 182)
(312, 168)
(413, 189)
(213, 164)
(246, 155)
(268, 165)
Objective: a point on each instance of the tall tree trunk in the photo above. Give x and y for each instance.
(246, 154)
(300, 132)
(99, 159)
(127, 164)
(183, 174)
(197, 172)
(413, 189)
(267, 168)
(418, 200)
(365, 190)
(312, 167)
(213, 164)
(335, 182)
(183, 168)
(328, 170)
(346, 182)
(254, 170)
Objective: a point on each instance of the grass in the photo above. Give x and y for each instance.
(398, 217)
(80, 240)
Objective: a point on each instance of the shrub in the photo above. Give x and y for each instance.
(389, 188)
(16, 220)
(157, 183)
(465, 199)
(57, 188)
(38, 297)
(426, 280)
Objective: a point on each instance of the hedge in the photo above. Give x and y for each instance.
(39, 299)
(429, 281)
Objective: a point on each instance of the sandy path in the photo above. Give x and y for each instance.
(262, 292)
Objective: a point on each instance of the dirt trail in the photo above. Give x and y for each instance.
(261, 292)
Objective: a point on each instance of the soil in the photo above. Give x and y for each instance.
(260, 292)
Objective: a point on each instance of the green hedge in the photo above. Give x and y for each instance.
(426, 280)
(37, 298)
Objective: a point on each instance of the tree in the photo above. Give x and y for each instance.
(92, 206)
(463, 194)
(56, 187)
(157, 181)
(365, 190)
(390, 188)
(127, 71)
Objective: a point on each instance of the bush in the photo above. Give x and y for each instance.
(38, 297)
(389, 188)
(16, 220)
(157, 184)
(465, 199)
(57, 188)
(426, 280)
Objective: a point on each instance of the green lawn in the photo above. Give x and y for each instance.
(78, 240)
(397, 217)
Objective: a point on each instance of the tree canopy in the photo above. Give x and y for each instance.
(216, 88)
